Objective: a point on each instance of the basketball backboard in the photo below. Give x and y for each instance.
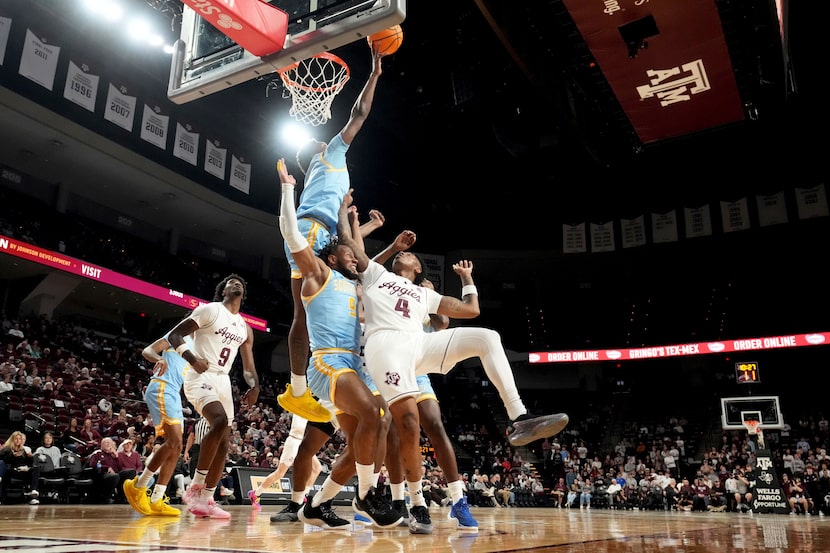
(206, 61)
(736, 410)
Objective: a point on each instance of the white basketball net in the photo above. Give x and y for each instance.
(313, 83)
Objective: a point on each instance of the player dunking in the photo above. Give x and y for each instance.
(326, 182)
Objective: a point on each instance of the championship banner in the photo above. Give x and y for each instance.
(811, 202)
(240, 175)
(120, 108)
(735, 215)
(698, 222)
(39, 61)
(633, 232)
(81, 86)
(5, 29)
(154, 127)
(772, 209)
(664, 227)
(215, 158)
(602, 237)
(186, 144)
(573, 238)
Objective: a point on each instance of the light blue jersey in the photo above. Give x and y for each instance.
(326, 183)
(333, 333)
(163, 393)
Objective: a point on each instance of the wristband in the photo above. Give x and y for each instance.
(469, 289)
(181, 349)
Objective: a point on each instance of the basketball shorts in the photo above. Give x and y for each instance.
(201, 389)
(318, 237)
(164, 402)
(325, 368)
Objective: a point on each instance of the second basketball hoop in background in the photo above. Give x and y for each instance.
(387, 41)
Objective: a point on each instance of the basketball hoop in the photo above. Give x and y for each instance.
(313, 83)
(752, 427)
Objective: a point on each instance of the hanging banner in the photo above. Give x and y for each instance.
(154, 127)
(240, 175)
(811, 202)
(602, 237)
(735, 215)
(39, 61)
(120, 107)
(633, 232)
(772, 209)
(215, 159)
(573, 238)
(5, 29)
(664, 227)
(186, 144)
(81, 86)
(698, 221)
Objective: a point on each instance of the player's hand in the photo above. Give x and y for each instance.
(463, 268)
(160, 367)
(376, 217)
(200, 365)
(404, 240)
(250, 396)
(282, 171)
(348, 198)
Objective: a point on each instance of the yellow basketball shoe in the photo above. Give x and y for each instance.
(162, 508)
(137, 497)
(305, 405)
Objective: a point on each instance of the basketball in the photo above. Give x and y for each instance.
(387, 41)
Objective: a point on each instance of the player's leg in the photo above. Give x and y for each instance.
(405, 413)
(445, 349)
(430, 415)
(297, 397)
(168, 454)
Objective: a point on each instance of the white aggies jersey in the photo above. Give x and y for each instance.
(393, 302)
(219, 336)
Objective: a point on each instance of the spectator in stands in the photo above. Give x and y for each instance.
(89, 434)
(17, 457)
(118, 429)
(796, 494)
(559, 492)
(717, 497)
(586, 491)
(685, 496)
(49, 448)
(6, 384)
(106, 475)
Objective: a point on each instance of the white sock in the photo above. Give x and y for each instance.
(158, 493)
(416, 494)
(298, 384)
(398, 491)
(364, 478)
(144, 479)
(456, 491)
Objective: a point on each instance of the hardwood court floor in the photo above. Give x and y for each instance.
(99, 528)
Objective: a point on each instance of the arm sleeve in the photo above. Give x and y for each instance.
(288, 221)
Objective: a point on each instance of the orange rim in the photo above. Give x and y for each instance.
(288, 81)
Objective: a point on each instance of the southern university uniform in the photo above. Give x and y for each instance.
(333, 334)
(326, 183)
(163, 393)
(217, 341)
